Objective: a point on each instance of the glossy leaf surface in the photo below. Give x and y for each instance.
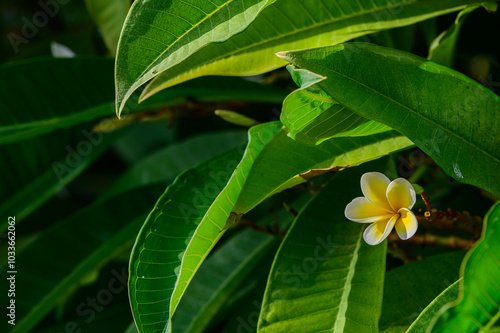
(325, 278)
(295, 25)
(449, 116)
(159, 35)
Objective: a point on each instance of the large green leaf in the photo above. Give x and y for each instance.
(295, 25)
(185, 225)
(73, 248)
(405, 293)
(158, 35)
(452, 118)
(39, 167)
(325, 278)
(285, 163)
(478, 305)
(109, 16)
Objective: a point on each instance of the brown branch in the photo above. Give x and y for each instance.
(430, 239)
(398, 253)
(452, 219)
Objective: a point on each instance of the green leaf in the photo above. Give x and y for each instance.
(41, 95)
(325, 278)
(39, 167)
(236, 118)
(410, 288)
(205, 200)
(185, 225)
(295, 25)
(452, 118)
(423, 321)
(220, 276)
(94, 236)
(478, 305)
(312, 116)
(285, 163)
(109, 16)
(157, 36)
(442, 49)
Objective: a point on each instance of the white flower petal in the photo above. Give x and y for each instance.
(401, 194)
(407, 224)
(363, 211)
(374, 186)
(378, 231)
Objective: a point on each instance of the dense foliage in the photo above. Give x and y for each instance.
(250, 166)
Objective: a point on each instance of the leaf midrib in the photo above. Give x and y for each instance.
(205, 218)
(341, 315)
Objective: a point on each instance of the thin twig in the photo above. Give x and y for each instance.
(430, 239)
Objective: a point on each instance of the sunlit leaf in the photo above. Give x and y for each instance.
(286, 25)
(313, 117)
(285, 163)
(184, 226)
(449, 116)
(325, 278)
(158, 35)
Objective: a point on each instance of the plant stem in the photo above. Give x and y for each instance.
(430, 239)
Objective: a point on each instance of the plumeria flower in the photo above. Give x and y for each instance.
(385, 204)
